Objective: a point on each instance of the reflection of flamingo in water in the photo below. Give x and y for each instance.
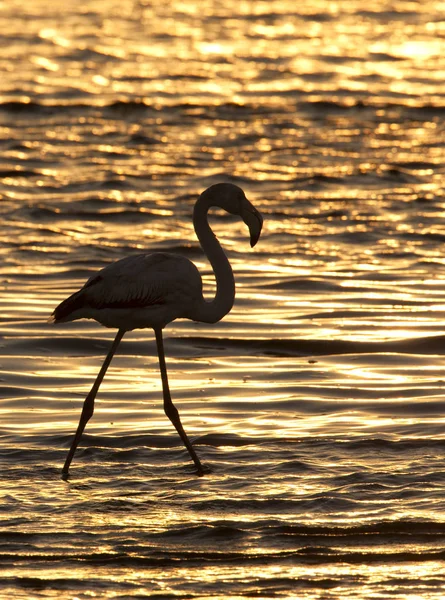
(151, 290)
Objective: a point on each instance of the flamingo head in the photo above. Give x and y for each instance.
(232, 199)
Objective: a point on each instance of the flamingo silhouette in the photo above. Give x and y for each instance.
(151, 290)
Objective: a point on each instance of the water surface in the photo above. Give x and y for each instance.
(318, 401)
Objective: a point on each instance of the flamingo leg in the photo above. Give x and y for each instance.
(170, 409)
(88, 405)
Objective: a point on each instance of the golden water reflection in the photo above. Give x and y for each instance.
(227, 49)
(305, 398)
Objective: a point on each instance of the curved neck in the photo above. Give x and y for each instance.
(216, 309)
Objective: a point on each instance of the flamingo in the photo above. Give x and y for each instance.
(152, 290)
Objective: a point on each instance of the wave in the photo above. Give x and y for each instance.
(305, 347)
(387, 541)
(62, 343)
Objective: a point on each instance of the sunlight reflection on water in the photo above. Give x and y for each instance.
(318, 401)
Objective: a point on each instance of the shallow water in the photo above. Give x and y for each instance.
(317, 402)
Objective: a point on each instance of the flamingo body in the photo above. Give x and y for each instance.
(136, 292)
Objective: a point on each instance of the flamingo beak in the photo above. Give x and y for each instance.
(254, 221)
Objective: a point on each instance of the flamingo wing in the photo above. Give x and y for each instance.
(135, 282)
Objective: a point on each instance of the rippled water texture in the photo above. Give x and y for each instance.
(318, 401)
